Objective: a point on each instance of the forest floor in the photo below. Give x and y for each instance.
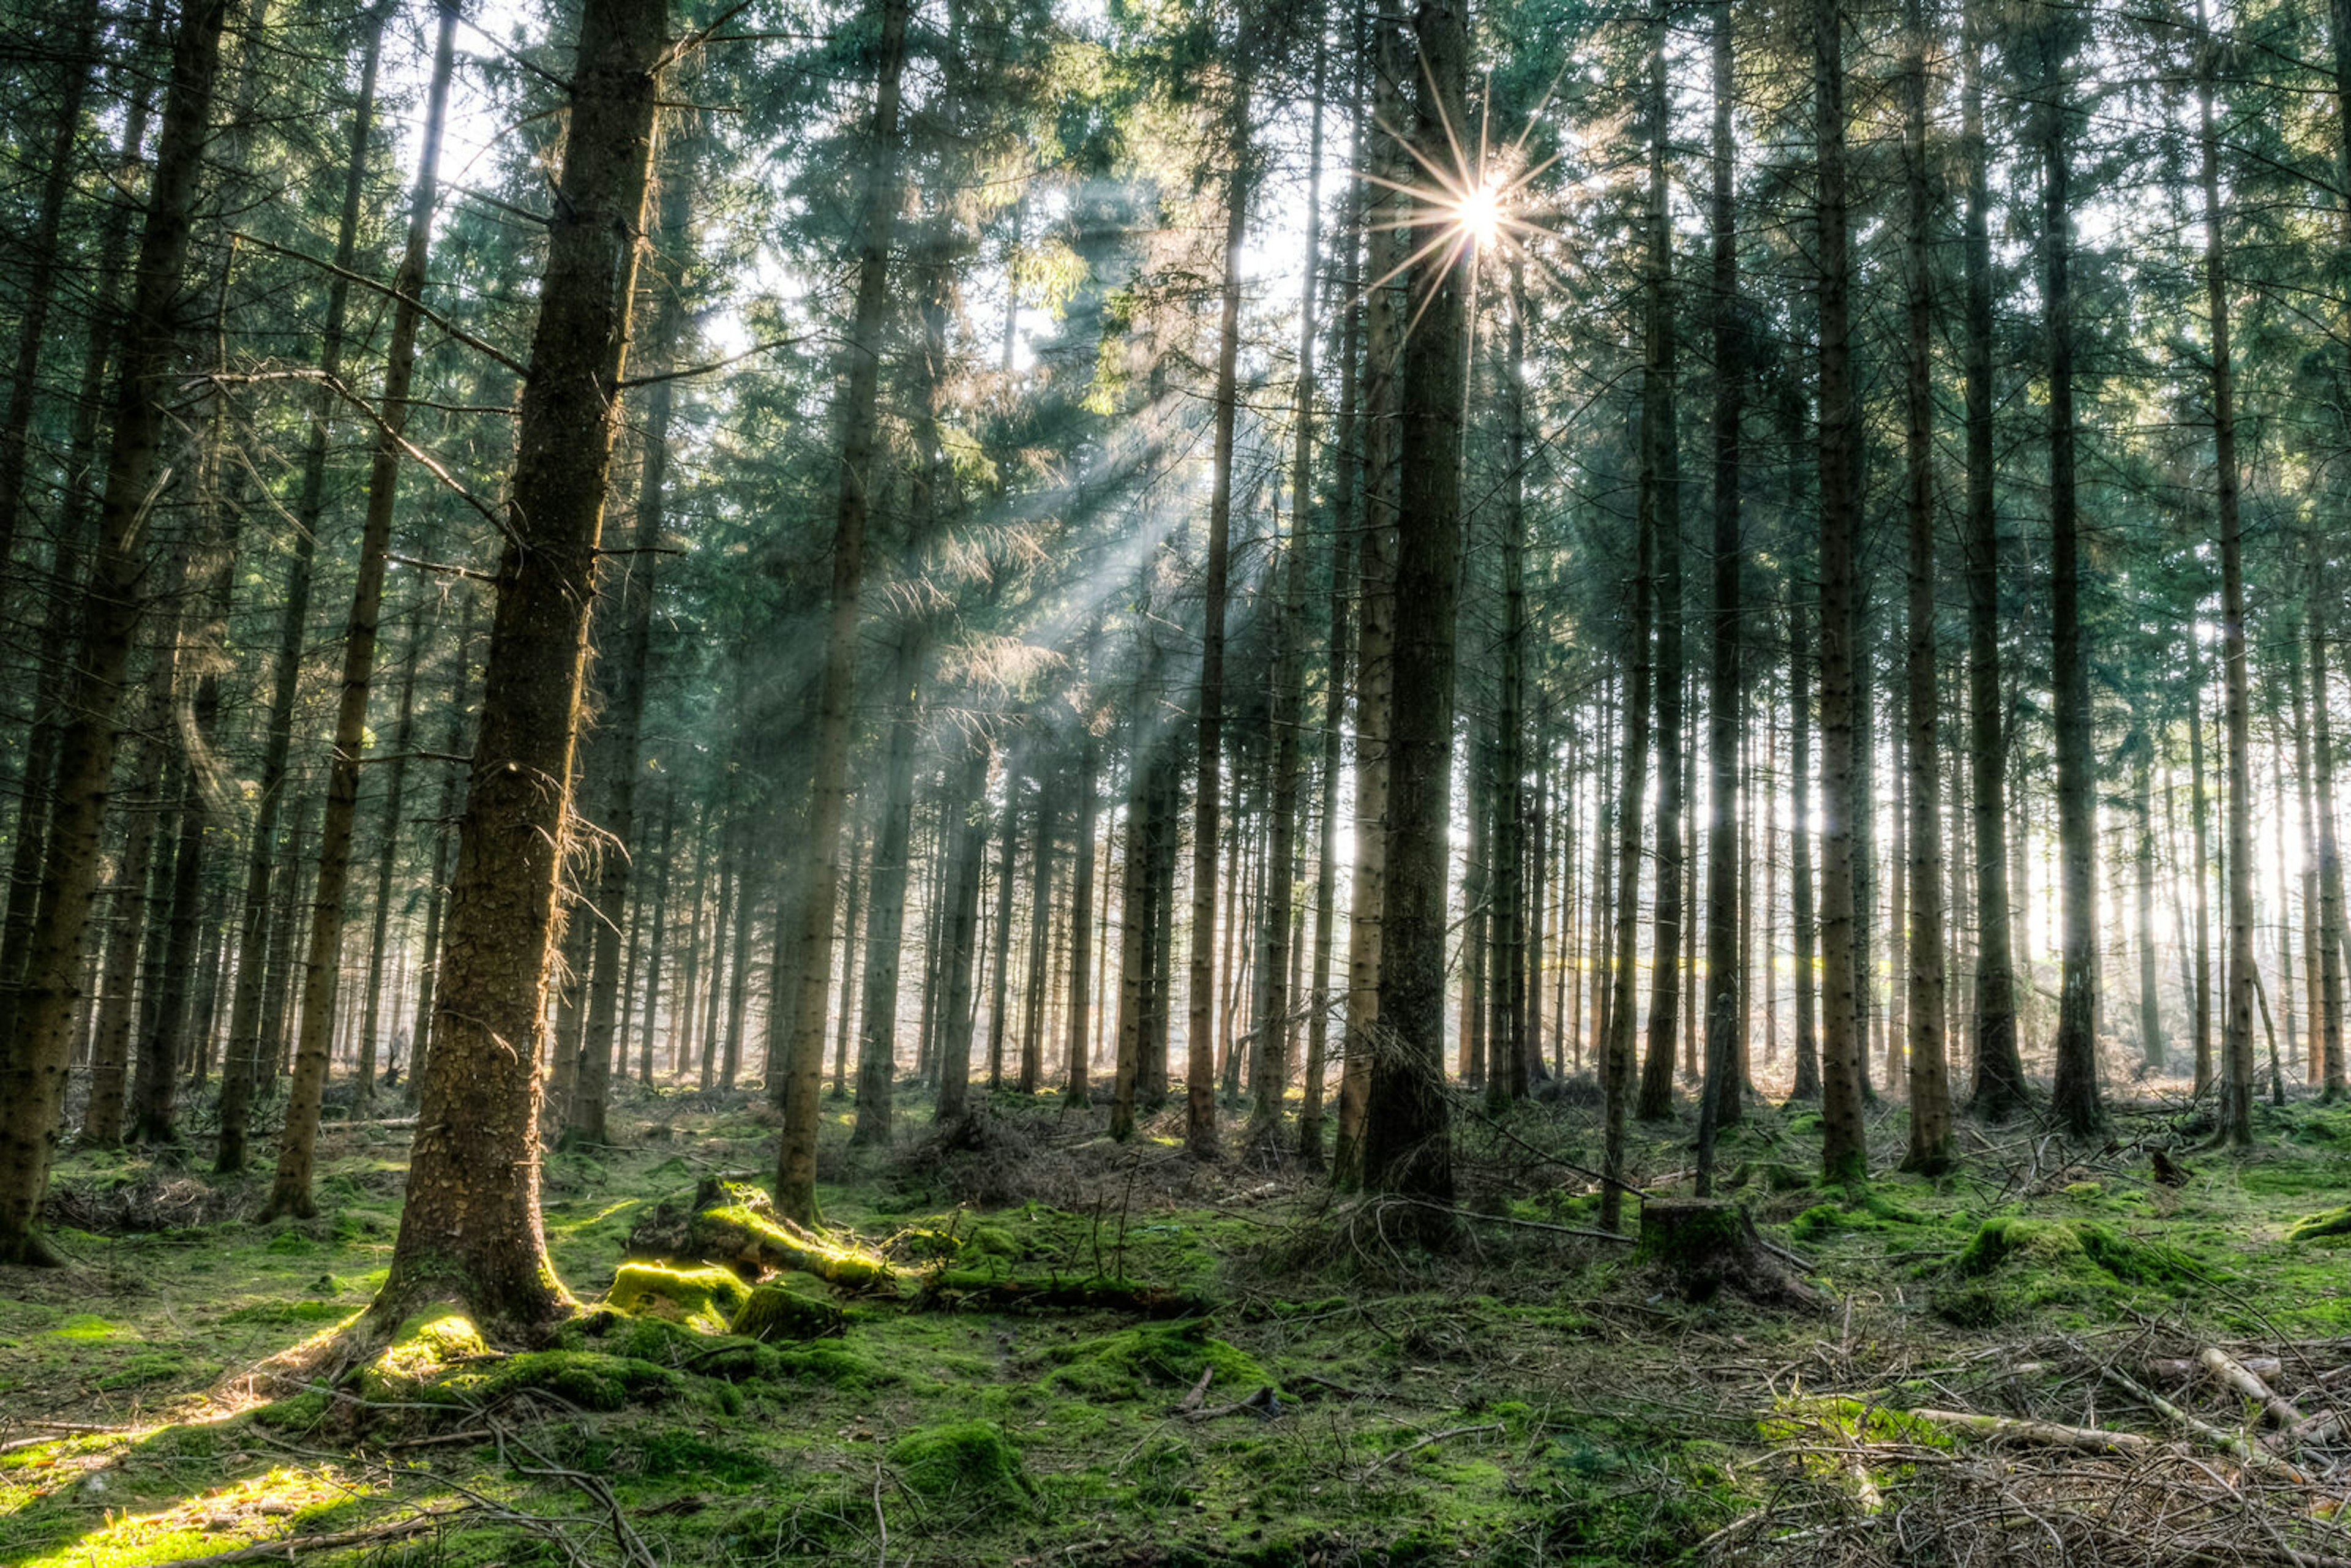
(1294, 1382)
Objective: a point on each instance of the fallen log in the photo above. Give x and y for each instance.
(2048, 1433)
(2233, 1373)
(951, 1289)
(2228, 1443)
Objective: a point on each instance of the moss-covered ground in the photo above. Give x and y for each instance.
(1526, 1394)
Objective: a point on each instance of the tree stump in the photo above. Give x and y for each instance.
(1703, 1244)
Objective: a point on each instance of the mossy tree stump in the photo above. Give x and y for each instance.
(1704, 1244)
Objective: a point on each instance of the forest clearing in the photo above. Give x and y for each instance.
(1150, 782)
(1264, 1377)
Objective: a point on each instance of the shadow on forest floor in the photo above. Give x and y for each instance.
(1531, 1395)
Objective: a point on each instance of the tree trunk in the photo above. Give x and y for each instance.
(1507, 981)
(75, 48)
(1931, 1149)
(1199, 1078)
(657, 942)
(1844, 1154)
(33, 1060)
(1661, 494)
(1386, 223)
(1269, 1069)
(395, 794)
(1406, 1140)
(1725, 970)
(1805, 930)
(290, 1191)
(428, 961)
(2076, 1099)
(1998, 1066)
(470, 1224)
(967, 800)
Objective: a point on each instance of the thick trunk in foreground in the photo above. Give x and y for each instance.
(1407, 1138)
(470, 1227)
(829, 785)
(33, 1061)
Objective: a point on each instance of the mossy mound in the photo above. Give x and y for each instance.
(705, 1298)
(774, 1314)
(2058, 1261)
(2332, 1222)
(736, 1223)
(1154, 1356)
(966, 1462)
(675, 1345)
(422, 1350)
(590, 1379)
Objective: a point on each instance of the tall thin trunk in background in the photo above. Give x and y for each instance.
(1270, 1070)
(1844, 1153)
(1726, 974)
(1661, 495)
(828, 793)
(2330, 854)
(1999, 1065)
(2200, 816)
(612, 763)
(1931, 1148)
(428, 962)
(470, 1223)
(2150, 1014)
(395, 795)
(290, 1191)
(1507, 935)
(2076, 1099)
(967, 800)
(1387, 218)
(34, 1058)
(656, 941)
(1199, 1078)
(1802, 917)
(1081, 978)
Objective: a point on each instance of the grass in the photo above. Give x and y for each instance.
(1529, 1397)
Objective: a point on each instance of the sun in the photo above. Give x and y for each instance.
(1480, 216)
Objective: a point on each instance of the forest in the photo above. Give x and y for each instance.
(1174, 783)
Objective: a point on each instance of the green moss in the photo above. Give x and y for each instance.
(421, 1351)
(683, 1456)
(1133, 1362)
(88, 1326)
(774, 1314)
(835, 1365)
(968, 1462)
(589, 1379)
(2014, 1265)
(296, 1413)
(701, 1298)
(289, 1312)
(2331, 1222)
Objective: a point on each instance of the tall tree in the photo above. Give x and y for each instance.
(828, 793)
(470, 1227)
(34, 1058)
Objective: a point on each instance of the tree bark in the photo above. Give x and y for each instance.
(1724, 1016)
(33, 1061)
(470, 1226)
(1844, 1154)
(1931, 1149)
(1661, 495)
(1406, 1140)
(2075, 1098)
